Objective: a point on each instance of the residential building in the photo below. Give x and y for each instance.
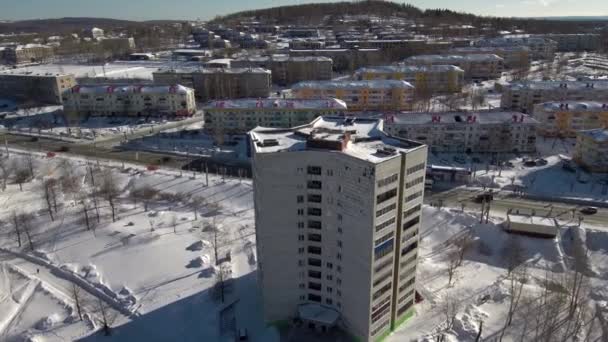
(565, 118)
(435, 78)
(302, 32)
(528, 224)
(540, 48)
(82, 101)
(118, 45)
(306, 44)
(391, 95)
(241, 116)
(396, 49)
(591, 151)
(337, 214)
(40, 88)
(575, 42)
(480, 132)
(476, 67)
(218, 83)
(523, 96)
(30, 53)
(289, 70)
(514, 57)
(346, 60)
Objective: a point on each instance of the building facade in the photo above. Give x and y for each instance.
(82, 101)
(435, 78)
(342, 249)
(591, 150)
(565, 118)
(36, 88)
(483, 132)
(30, 53)
(217, 83)
(476, 67)
(540, 48)
(241, 116)
(289, 70)
(515, 57)
(523, 96)
(390, 95)
(345, 59)
(576, 42)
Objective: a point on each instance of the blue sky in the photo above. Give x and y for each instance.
(205, 9)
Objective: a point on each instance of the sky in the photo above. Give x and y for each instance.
(206, 9)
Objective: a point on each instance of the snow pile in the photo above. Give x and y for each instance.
(49, 322)
(466, 325)
(199, 261)
(198, 245)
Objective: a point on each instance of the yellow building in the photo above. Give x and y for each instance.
(592, 149)
(566, 118)
(362, 95)
(435, 78)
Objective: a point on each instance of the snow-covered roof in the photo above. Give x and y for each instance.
(551, 85)
(599, 135)
(216, 70)
(388, 69)
(364, 84)
(277, 103)
(534, 220)
(361, 138)
(317, 313)
(284, 58)
(448, 59)
(482, 49)
(580, 106)
(460, 118)
(146, 89)
(332, 50)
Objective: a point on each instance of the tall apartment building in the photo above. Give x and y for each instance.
(241, 116)
(435, 78)
(38, 88)
(591, 151)
(489, 132)
(345, 59)
(391, 95)
(565, 118)
(514, 57)
(540, 48)
(523, 96)
(131, 100)
(217, 83)
(337, 212)
(289, 70)
(476, 67)
(575, 42)
(30, 53)
(396, 49)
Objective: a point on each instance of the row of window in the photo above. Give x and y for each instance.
(384, 238)
(414, 182)
(408, 261)
(388, 180)
(405, 296)
(413, 196)
(386, 210)
(409, 224)
(382, 278)
(384, 249)
(383, 197)
(385, 224)
(409, 248)
(416, 168)
(384, 289)
(404, 308)
(380, 327)
(381, 312)
(411, 211)
(318, 263)
(382, 266)
(407, 284)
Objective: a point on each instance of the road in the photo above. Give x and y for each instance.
(505, 201)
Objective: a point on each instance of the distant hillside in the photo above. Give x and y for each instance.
(64, 25)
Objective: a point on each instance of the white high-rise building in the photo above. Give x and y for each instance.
(337, 212)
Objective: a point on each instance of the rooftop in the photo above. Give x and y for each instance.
(599, 135)
(360, 138)
(215, 70)
(146, 89)
(447, 59)
(408, 68)
(590, 106)
(278, 103)
(347, 84)
(531, 219)
(461, 118)
(284, 58)
(550, 85)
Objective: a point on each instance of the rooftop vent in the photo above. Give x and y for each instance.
(386, 151)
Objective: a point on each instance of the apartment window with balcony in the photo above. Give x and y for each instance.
(416, 168)
(385, 224)
(384, 289)
(314, 274)
(314, 250)
(313, 184)
(384, 249)
(314, 298)
(300, 199)
(314, 237)
(314, 170)
(386, 210)
(388, 180)
(314, 224)
(409, 224)
(409, 248)
(313, 198)
(383, 197)
(314, 211)
(314, 286)
(314, 262)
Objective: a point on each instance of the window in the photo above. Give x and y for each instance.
(413, 196)
(329, 265)
(302, 285)
(403, 309)
(415, 168)
(328, 301)
(314, 262)
(384, 289)
(339, 256)
(314, 211)
(339, 242)
(314, 286)
(314, 274)
(300, 199)
(388, 180)
(339, 217)
(411, 211)
(386, 196)
(383, 265)
(339, 281)
(381, 312)
(329, 289)
(314, 170)
(338, 304)
(388, 209)
(384, 249)
(409, 260)
(314, 237)
(312, 184)
(382, 278)
(314, 250)
(301, 250)
(300, 262)
(407, 284)
(340, 230)
(409, 224)
(330, 277)
(409, 248)
(314, 224)
(314, 198)
(300, 237)
(339, 293)
(314, 298)
(339, 268)
(384, 238)
(385, 224)
(300, 212)
(414, 182)
(300, 224)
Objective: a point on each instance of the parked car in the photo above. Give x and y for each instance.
(589, 210)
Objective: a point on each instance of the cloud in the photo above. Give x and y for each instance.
(544, 3)
(500, 5)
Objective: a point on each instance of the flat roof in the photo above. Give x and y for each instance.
(146, 89)
(551, 85)
(202, 70)
(530, 219)
(277, 103)
(447, 59)
(349, 84)
(387, 69)
(461, 118)
(284, 58)
(364, 138)
(582, 106)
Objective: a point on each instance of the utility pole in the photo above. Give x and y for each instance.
(206, 175)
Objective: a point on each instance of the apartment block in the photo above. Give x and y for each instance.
(40, 88)
(434, 78)
(575, 42)
(540, 48)
(337, 213)
(241, 116)
(82, 101)
(345, 59)
(514, 57)
(481, 132)
(30, 53)
(476, 67)
(391, 95)
(398, 48)
(523, 96)
(566, 118)
(218, 83)
(289, 70)
(591, 151)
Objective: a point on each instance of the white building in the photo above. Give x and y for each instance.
(565, 118)
(133, 100)
(540, 48)
(491, 132)
(435, 78)
(337, 212)
(591, 150)
(475, 66)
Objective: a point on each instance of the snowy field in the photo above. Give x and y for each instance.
(154, 273)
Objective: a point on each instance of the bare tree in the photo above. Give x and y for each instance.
(512, 253)
(22, 175)
(463, 245)
(76, 297)
(197, 203)
(174, 223)
(147, 194)
(109, 191)
(222, 276)
(16, 226)
(6, 170)
(25, 223)
(452, 266)
(106, 316)
(49, 193)
(516, 280)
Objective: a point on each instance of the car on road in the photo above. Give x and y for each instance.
(589, 210)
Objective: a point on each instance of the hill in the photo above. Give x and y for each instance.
(65, 25)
